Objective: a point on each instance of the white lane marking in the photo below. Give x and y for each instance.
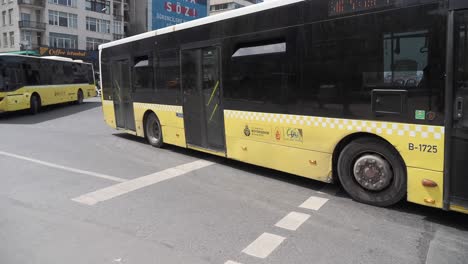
(292, 221)
(330, 189)
(113, 191)
(231, 262)
(313, 203)
(264, 245)
(60, 167)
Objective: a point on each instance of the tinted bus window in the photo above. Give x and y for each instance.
(346, 60)
(32, 72)
(168, 76)
(143, 73)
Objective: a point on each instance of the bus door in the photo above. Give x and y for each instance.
(201, 85)
(123, 97)
(459, 136)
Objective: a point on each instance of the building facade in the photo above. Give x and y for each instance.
(220, 6)
(60, 24)
(141, 15)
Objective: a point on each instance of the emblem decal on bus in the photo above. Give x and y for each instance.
(246, 131)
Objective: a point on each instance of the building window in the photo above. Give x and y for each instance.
(100, 6)
(226, 6)
(5, 40)
(65, 41)
(12, 39)
(26, 39)
(97, 25)
(118, 29)
(25, 17)
(10, 14)
(93, 43)
(71, 3)
(4, 18)
(63, 19)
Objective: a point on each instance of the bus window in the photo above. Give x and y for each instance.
(90, 74)
(32, 72)
(79, 73)
(142, 73)
(405, 58)
(57, 73)
(68, 73)
(168, 77)
(168, 71)
(258, 72)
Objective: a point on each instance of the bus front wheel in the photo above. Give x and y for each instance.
(153, 131)
(35, 104)
(372, 172)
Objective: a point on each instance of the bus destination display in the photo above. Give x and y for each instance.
(340, 7)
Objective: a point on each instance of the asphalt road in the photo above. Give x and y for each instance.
(76, 191)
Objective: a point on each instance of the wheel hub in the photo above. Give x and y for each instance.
(372, 172)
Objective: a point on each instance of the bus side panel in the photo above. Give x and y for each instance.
(89, 90)
(306, 163)
(421, 147)
(109, 112)
(430, 196)
(170, 117)
(17, 100)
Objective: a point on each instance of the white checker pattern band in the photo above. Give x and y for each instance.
(377, 127)
(159, 107)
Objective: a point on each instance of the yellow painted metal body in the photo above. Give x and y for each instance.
(304, 145)
(459, 209)
(170, 117)
(51, 94)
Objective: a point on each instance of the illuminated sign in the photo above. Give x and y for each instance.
(339, 7)
(170, 12)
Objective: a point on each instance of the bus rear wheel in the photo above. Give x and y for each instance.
(153, 131)
(372, 172)
(79, 97)
(35, 104)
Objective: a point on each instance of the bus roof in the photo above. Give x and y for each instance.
(203, 21)
(54, 58)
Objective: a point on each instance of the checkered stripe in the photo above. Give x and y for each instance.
(159, 107)
(381, 128)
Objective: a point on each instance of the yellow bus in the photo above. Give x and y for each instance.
(372, 94)
(28, 82)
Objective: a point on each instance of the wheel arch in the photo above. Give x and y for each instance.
(348, 139)
(35, 93)
(145, 117)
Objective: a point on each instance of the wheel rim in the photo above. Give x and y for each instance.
(154, 131)
(372, 172)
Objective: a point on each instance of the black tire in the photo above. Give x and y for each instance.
(79, 97)
(34, 104)
(153, 131)
(362, 178)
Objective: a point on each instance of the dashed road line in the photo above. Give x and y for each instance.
(293, 221)
(314, 203)
(231, 262)
(65, 168)
(264, 245)
(113, 191)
